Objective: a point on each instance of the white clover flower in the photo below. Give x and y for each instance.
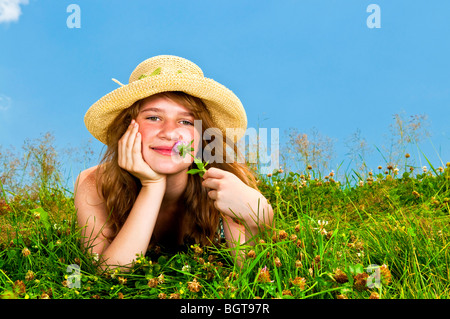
(322, 223)
(186, 268)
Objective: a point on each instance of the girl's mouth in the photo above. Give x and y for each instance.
(163, 151)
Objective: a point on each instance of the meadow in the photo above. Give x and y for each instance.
(378, 233)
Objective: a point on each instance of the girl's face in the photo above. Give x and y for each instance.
(163, 122)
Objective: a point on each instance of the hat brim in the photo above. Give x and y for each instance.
(224, 106)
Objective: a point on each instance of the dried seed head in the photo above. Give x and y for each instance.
(26, 252)
(122, 280)
(44, 295)
(277, 262)
(298, 264)
(385, 274)
(407, 155)
(282, 234)
(19, 287)
(374, 295)
(264, 275)
(251, 254)
(300, 282)
(198, 251)
(360, 281)
(194, 286)
(29, 275)
(152, 282)
(340, 276)
(297, 228)
(287, 292)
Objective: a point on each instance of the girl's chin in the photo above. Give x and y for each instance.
(169, 168)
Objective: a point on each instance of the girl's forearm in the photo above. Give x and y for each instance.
(134, 236)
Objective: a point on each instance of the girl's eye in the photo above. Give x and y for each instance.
(187, 122)
(152, 118)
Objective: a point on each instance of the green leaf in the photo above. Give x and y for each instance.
(162, 260)
(194, 171)
(43, 218)
(356, 269)
(141, 284)
(156, 72)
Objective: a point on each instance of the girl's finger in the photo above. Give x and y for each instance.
(136, 150)
(124, 139)
(213, 183)
(121, 147)
(214, 173)
(212, 194)
(130, 143)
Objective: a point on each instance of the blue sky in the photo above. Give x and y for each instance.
(303, 64)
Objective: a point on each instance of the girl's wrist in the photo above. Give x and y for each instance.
(154, 183)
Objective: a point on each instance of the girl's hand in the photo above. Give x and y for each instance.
(130, 157)
(234, 198)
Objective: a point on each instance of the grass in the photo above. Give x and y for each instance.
(383, 237)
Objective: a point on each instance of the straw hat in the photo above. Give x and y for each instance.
(168, 73)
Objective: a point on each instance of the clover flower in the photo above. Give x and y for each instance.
(321, 229)
(340, 276)
(264, 275)
(26, 252)
(194, 286)
(277, 262)
(182, 149)
(300, 282)
(186, 268)
(29, 275)
(385, 274)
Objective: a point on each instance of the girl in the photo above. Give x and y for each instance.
(141, 194)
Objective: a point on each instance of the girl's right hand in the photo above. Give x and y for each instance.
(130, 157)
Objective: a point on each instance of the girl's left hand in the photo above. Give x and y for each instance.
(232, 196)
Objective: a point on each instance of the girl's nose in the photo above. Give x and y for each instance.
(170, 131)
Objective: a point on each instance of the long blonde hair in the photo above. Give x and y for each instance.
(119, 188)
